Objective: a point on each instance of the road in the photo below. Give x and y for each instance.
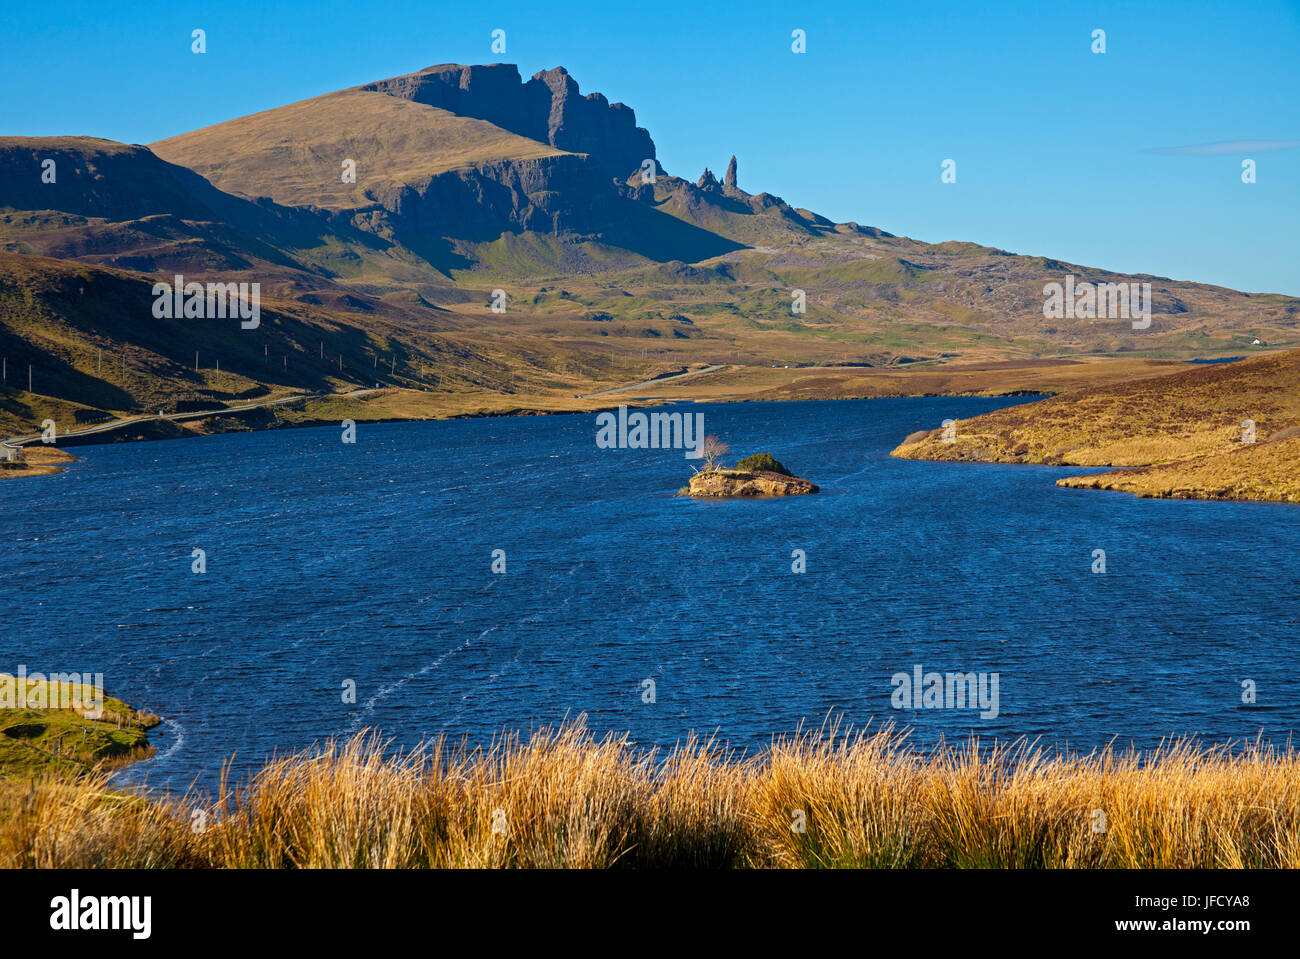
(18, 441)
(656, 382)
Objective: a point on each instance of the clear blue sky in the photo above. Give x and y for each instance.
(1053, 144)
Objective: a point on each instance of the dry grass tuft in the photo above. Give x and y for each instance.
(563, 798)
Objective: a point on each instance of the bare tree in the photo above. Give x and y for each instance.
(714, 449)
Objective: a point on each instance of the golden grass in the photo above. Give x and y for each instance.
(563, 798)
(1185, 430)
(1188, 413)
(293, 153)
(37, 461)
(1259, 471)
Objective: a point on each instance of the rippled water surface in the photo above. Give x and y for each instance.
(328, 562)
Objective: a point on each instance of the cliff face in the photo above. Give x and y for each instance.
(561, 195)
(548, 108)
(456, 155)
(591, 124)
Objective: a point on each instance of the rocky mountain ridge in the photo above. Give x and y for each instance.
(549, 108)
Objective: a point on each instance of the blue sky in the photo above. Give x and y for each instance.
(1053, 143)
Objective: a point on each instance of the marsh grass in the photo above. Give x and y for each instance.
(564, 798)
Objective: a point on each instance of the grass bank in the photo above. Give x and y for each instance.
(1215, 432)
(40, 737)
(564, 798)
(37, 461)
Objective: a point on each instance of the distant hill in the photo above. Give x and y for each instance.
(94, 344)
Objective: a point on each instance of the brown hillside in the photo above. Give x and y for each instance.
(294, 154)
(1188, 434)
(1260, 471)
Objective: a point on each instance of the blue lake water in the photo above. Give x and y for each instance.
(371, 562)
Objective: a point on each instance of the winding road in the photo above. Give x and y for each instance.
(18, 441)
(654, 382)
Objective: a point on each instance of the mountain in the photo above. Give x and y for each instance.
(399, 212)
(452, 156)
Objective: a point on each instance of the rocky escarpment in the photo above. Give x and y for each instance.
(737, 482)
(564, 196)
(582, 194)
(727, 195)
(561, 195)
(548, 108)
(708, 181)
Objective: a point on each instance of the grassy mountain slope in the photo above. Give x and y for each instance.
(91, 338)
(294, 154)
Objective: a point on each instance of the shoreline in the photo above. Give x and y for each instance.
(58, 458)
(1216, 433)
(50, 460)
(1037, 377)
(38, 461)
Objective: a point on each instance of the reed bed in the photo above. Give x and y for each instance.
(563, 798)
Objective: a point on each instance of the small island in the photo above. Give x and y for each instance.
(758, 475)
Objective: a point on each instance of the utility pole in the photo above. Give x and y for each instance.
(29, 377)
(196, 361)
